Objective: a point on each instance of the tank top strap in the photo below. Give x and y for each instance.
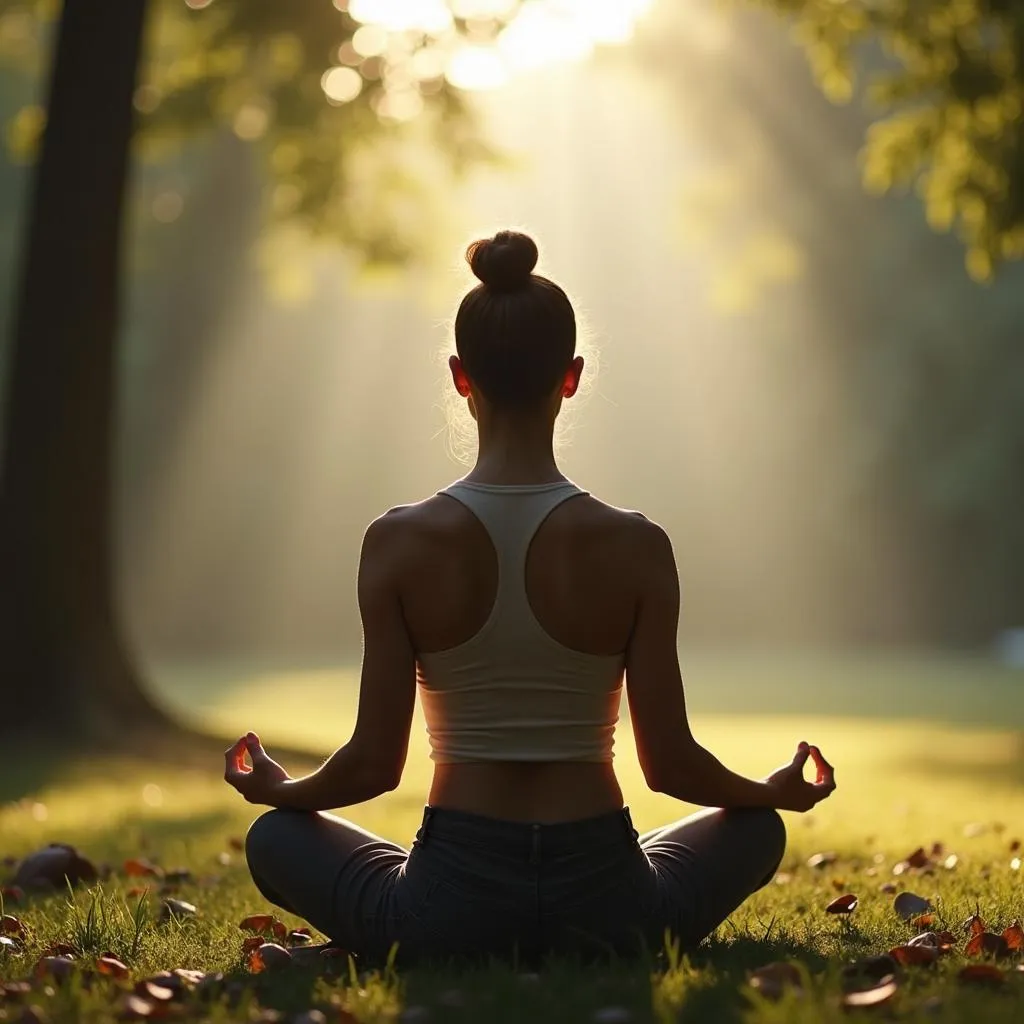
(511, 514)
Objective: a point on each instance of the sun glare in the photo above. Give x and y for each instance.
(506, 37)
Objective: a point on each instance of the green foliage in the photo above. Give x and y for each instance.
(950, 74)
(360, 172)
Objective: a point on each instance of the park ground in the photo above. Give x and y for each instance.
(928, 751)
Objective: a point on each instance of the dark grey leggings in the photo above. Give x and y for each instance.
(479, 887)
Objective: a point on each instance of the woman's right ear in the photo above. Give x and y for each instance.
(459, 378)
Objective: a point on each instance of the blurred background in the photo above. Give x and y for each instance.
(817, 391)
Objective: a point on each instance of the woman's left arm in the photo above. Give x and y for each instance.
(371, 763)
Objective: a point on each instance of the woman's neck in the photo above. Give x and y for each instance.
(515, 452)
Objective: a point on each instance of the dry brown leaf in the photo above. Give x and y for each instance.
(112, 967)
(909, 905)
(59, 968)
(138, 867)
(177, 909)
(987, 944)
(874, 996)
(923, 920)
(986, 974)
(156, 990)
(300, 937)
(12, 926)
(134, 1007)
(974, 925)
(914, 956)
(772, 980)
(236, 844)
(64, 949)
(256, 923)
(822, 860)
(54, 866)
(268, 957)
(1014, 936)
(917, 859)
(842, 905)
(8, 945)
(251, 943)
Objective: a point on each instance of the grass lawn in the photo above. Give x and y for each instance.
(926, 751)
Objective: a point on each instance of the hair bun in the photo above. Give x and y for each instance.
(505, 262)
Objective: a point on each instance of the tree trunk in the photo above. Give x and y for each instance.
(64, 667)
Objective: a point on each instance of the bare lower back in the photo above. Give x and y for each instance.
(540, 792)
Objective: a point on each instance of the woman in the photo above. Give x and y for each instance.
(517, 603)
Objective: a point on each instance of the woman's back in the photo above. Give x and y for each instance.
(580, 580)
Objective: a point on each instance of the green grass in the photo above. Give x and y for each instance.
(924, 751)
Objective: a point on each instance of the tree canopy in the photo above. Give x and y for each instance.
(356, 126)
(948, 76)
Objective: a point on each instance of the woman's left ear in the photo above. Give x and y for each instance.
(572, 378)
(459, 378)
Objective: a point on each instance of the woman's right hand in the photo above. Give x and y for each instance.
(791, 791)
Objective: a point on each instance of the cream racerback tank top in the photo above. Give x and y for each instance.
(512, 692)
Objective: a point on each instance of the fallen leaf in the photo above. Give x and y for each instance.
(12, 926)
(871, 969)
(137, 867)
(822, 860)
(8, 945)
(112, 967)
(842, 905)
(987, 944)
(59, 968)
(251, 943)
(888, 888)
(256, 923)
(134, 1007)
(874, 996)
(268, 957)
(839, 884)
(1014, 936)
(974, 925)
(236, 844)
(923, 920)
(1014, 845)
(984, 974)
(54, 866)
(12, 893)
(914, 956)
(917, 859)
(774, 979)
(909, 905)
(937, 849)
(176, 909)
(300, 937)
(64, 949)
(156, 989)
(925, 939)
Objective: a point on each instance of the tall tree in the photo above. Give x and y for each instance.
(58, 626)
(332, 123)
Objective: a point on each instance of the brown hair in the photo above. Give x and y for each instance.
(515, 332)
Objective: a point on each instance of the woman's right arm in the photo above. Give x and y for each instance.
(672, 760)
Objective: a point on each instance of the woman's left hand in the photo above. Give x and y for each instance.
(260, 784)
